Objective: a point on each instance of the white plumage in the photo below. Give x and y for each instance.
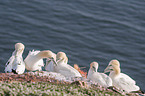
(50, 63)
(97, 77)
(64, 68)
(33, 61)
(121, 80)
(15, 63)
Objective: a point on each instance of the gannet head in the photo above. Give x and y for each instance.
(94, 66)
(114, 65)
(19, 48)
(61, 56)
(46, 54)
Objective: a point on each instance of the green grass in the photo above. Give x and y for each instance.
(51, 89)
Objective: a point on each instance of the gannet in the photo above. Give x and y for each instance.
(120, 80)
(97, 77)
(34, 60)
(64, 68)
(15, 63)
(50, 63)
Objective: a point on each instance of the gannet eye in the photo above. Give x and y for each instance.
(111, 69)
(94, 68)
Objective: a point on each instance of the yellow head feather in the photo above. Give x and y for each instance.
(19, 46)
(46, 54)
(61, 55)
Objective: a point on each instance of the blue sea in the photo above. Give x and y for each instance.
(86, 30)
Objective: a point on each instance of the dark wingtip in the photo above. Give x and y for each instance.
(14, 71)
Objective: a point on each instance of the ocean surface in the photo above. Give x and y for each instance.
(86, 30)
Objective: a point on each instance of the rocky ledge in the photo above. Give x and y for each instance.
(47, 83)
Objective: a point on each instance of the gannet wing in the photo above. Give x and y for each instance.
(18, 65)
(107, 79)
(68, 71)
(126, 78)
(127, 83)
(8, 66)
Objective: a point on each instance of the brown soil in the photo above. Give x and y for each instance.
(26, 77)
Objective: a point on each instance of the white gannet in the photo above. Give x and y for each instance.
(15, 63)
(34, 60)
(50, 63)
(120, 80)
(64, 68)
(97, 77)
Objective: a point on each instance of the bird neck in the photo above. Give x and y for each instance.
(91, 71)
(117, 71)
(17, 53)
(42, 54)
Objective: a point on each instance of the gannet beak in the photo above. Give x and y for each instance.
(17, 53)
(94, 68)
(108, 69)
(54, 61)
(57, 60)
